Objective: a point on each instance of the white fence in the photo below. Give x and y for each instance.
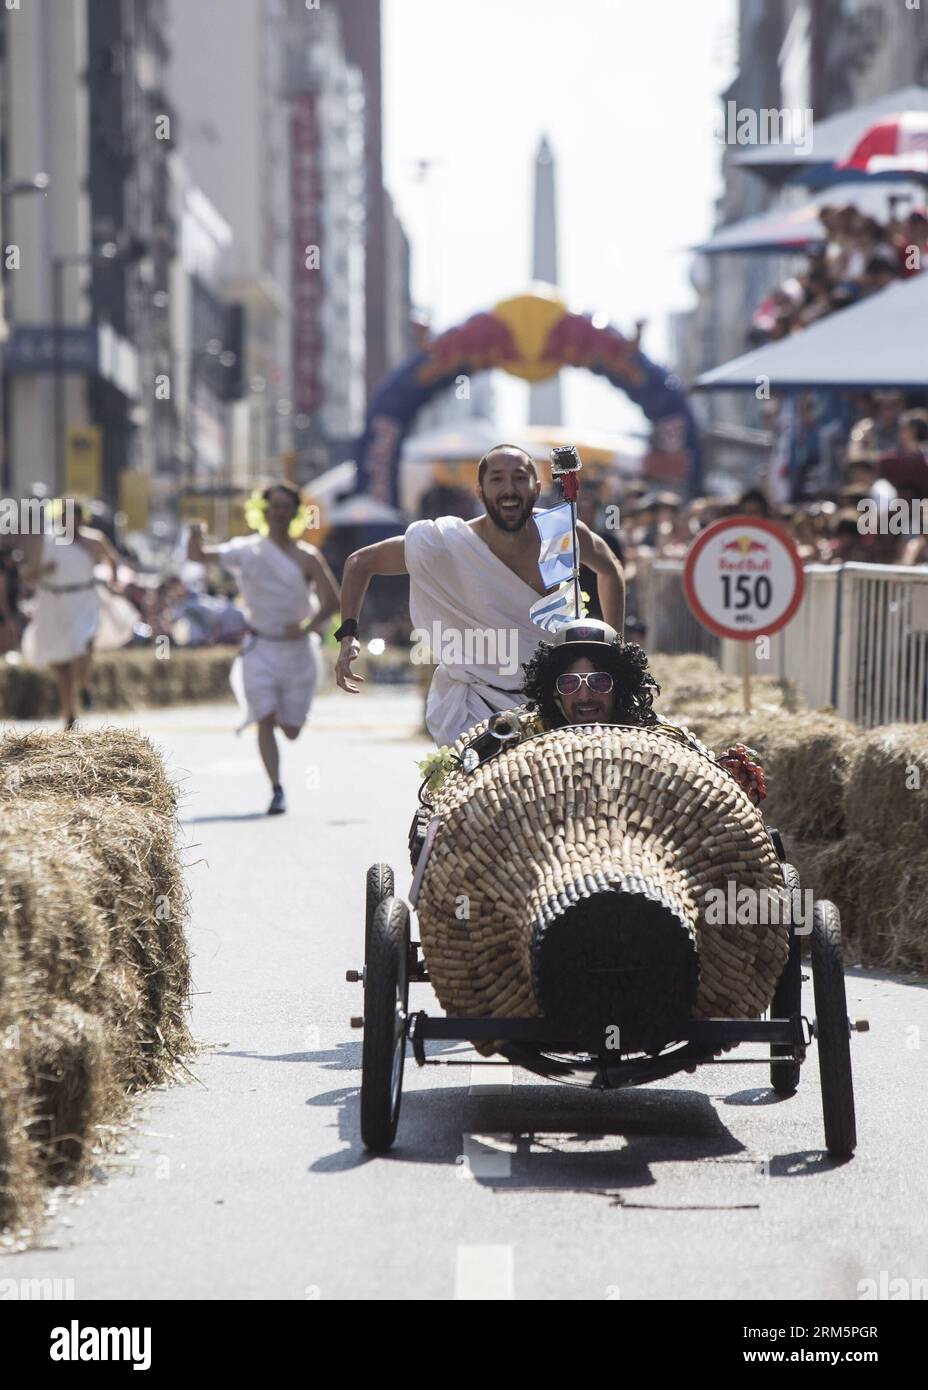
(805, 651)
(671, 627)
(883, 647)
(859, 640)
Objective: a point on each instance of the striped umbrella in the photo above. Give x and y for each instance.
(896, 144)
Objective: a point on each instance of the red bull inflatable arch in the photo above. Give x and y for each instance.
(531, 336)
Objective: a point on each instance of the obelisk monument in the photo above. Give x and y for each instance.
(544, 396)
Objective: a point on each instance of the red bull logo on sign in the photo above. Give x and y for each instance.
(743, 577)
(748, 551)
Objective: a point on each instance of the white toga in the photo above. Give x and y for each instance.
(474, 611)
(273, 674)
(73, 611)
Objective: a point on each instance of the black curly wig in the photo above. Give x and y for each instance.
(634, 688)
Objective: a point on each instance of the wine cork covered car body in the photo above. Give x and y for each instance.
(602, 902)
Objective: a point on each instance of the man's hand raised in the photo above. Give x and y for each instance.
(196, 550)
(345, 678)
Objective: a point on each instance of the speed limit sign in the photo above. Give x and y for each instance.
(743, 577)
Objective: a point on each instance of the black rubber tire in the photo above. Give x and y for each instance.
(787, 1001)
(379, 886)
(386, 1003)
(832, 1030)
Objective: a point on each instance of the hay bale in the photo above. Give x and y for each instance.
(806, 756)
(140, 888)
(114, 763)
(27, 692)
(821, 868)
(882, 894)
(94, 969)
(694, 685)
(54, 941)
(693, 673)
(133, 678)
(887, 787)
(95, 895)
(19, 1182)
(67, 1065)
(19, 1185)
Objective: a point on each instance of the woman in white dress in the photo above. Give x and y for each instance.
(72, 617)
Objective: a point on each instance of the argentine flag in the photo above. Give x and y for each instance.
(554, 610)
(556, 557)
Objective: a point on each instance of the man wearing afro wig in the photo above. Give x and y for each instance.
(589, 675)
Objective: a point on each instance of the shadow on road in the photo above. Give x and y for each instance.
(344, 1057)
(553, 1138)
(807, 1163)
(547, 1137)
(757, 1095)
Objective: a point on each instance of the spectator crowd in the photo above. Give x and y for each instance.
(859, 257)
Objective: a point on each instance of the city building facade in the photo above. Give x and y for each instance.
(827, 55)
(86, 284)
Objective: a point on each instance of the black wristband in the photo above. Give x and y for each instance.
(349, 628)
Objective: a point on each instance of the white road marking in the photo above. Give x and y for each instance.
(487, 1156)
(484, 1272)
(489, 1080)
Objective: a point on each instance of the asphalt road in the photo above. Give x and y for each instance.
(249, 1181)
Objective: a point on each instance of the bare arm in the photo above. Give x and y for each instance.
(386, 557)
(104, 551)
(596, 555)
(196, 550)
(32, 567)
(915, 551)
(317, 569)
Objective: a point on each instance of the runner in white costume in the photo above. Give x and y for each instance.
(75, 613)
(288, 593)
(471, 578)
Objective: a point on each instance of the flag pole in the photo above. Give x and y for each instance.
(576, 553)
(565, 469)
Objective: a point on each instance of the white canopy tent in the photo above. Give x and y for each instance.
(880, 343)
(784, 229)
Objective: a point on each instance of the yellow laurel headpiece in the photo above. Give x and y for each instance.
(256, 517)
(55, 508)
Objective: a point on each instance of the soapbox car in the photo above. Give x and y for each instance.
(579, 1054)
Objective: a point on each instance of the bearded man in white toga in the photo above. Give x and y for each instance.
(288, 592)
(472, 584)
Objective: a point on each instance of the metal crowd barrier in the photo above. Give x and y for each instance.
(805, 651)
(859, 641)
(670, 625)
(882, 664)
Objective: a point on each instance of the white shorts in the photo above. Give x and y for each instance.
(278, 678)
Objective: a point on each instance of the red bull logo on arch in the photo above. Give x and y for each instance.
(530, 336)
